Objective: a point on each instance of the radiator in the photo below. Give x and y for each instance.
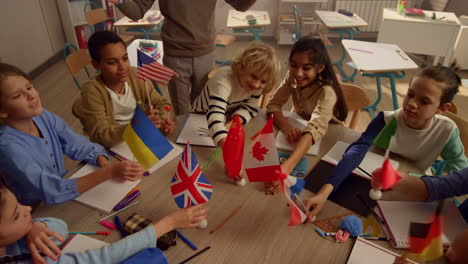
(369, 10)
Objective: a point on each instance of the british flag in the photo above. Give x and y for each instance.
(149, 68)
(189, 185)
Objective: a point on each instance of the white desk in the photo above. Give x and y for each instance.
(132, 50)
(127, 22)
(421, 35)
(237, 21)
(379, 60)
(343, 25)
(333, 19)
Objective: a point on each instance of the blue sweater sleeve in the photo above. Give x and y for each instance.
(356, 152)
(441, 187)
(76, 146)
(115, 252)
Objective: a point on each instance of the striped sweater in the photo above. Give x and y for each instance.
(223, 95)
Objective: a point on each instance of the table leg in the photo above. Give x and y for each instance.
(339, 63)
(255, 31)
(373, 107)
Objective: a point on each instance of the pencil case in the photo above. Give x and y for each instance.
(136, 223)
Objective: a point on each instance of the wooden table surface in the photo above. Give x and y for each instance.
(258, 233)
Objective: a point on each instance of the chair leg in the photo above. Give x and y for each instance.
(354, 119)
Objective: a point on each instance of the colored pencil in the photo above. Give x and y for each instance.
(365, 51)
(105, 233)
(365, 172)
(119, 226)
(226, 219)
(114, 213)
(196, 254)
(186, 240)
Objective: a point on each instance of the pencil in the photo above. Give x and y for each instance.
(370, 209)
(226, 219)
(196, 254)
(114, 213)
(365, 172)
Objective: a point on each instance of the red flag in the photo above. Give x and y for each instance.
(261, 163)
(389, 176)
(298, 216)
(233, 150)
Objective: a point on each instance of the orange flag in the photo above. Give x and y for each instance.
(389, 176)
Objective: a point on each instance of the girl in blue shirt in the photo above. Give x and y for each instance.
(20, 234)
(33, 142)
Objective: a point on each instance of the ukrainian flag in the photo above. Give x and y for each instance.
(145, 140)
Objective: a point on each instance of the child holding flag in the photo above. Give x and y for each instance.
(420, 134)
(109, 99)
(24, 238)
(33, 142)
(312, 85)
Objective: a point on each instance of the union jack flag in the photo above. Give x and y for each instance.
(148, 68)
(189, 185)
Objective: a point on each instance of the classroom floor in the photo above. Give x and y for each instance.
(58, 91)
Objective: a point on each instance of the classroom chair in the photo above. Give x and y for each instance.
(356, 99)
(76, 61)
(223, 41)
(98, 16)
(298, 24)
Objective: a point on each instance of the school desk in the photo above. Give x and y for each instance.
(421, 35)
(239, 24)
(257, 233)
(379, 60)
(342, 25)
(143, 25)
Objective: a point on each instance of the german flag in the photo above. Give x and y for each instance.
(426, 238)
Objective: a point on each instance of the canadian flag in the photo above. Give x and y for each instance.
(262, 162)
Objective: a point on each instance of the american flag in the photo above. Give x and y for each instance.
(148, 68)
(189, 185)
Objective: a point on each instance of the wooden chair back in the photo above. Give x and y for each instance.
(356, 99)
(96, 16)
(462, 127)
(77, 61)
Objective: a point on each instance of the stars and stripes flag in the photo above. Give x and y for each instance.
(149, 68)
(189, 185)
(290, 187)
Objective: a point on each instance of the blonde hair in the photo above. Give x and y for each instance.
(260, 59)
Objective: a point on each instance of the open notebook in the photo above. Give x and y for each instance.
(282, 142)
(399, 214)
(195, 130)
(79, 243)
(105, 195)
(366, 252)
(124, 151)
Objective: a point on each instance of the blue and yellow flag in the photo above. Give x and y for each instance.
(145, 140)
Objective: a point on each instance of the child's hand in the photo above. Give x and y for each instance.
(188, 217)
(221, 143)
(314, 204)
(38, 240)
(153, 115)
(128, 170)
(167, 126)
(102, 161)
(271, 187)
(293, 134)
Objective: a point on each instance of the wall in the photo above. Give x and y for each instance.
(31, 32)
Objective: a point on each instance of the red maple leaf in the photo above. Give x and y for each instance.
(259, 151)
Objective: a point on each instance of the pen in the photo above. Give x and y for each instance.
(365, 51)
(120, 227)
(365, 172)
(105, 233)
(370, 209)
(196, 254)
(187, 241)
(376, 238)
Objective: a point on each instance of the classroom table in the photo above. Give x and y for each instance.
(258, 233)
(239, 24)
(421, 35)
(379, 60)
(344, 26)
(143, 25)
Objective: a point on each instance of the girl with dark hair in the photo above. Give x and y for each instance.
(420, 133)
(316, 95)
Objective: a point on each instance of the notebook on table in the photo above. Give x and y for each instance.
(195, 130)
(399, 214)
(356, 182)
(79, 243)
(282, 141)
(367, 252)
(105, 195)
(123, 150)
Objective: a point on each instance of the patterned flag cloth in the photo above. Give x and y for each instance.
(426, 238)
(189, 185)
(291, 187)
(148, 68)
(388, 175)
(261, 163)
(145, 140)
(233, 149)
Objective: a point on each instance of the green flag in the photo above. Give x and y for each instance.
(383, 138)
